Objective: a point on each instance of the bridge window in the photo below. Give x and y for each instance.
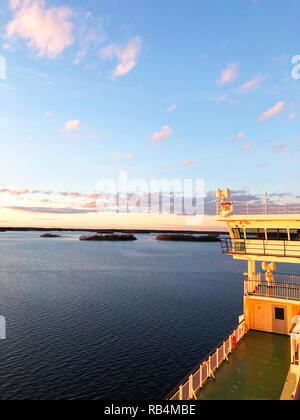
(283, 235)
(239, 233)
(295, 234)
(251, 234)
(258, 234)
(261, 234)
(242, 234)
(277, 234)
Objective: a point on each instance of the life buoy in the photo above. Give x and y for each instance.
(227, 206)
(233, 341)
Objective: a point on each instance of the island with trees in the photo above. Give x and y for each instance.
(113, 238)
(50, 235)
(188, 238)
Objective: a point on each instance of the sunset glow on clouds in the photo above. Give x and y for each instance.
(95, 88)
(251, 84)
(229, 74)
(239, 137)
(247, 146)
(162, 135)
(273, 111)
(127, 56)
(72, 125)
(47, 31)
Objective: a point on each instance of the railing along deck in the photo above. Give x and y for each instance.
(246, 208)
(261, 247)
(191, 385)
(282, 286)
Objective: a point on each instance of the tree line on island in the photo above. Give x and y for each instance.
(130, 237)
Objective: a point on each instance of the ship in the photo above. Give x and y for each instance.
(260, 359)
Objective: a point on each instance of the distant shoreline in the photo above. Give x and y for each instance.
(188, 238)
(110, 231)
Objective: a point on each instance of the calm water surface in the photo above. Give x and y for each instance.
(110, 320)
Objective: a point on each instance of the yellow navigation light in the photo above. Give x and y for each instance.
(224, 207)
(223, 194)
(269, 267)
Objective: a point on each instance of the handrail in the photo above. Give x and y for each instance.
(260, 247)
(297, 392)
(192, 383)
(282, 286)
(297, 396)
(262, 207)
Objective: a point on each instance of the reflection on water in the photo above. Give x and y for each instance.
(110, 320)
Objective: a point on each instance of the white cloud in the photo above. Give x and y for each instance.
(239, 137)
(273, 111)
(293, 116)
(229, 74)
(48, 31)
(247, 146)
(162, 135)
(72, 125)
(127, 56)
(251, 84)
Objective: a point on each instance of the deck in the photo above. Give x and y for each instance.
(283, 286)
(256, 370)
(277, 291)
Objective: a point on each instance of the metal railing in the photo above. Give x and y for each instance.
(297, 371)
(281, 286)
(260, 247)
(297, 396)
(295, 345)
(191, 385)
(261, 207)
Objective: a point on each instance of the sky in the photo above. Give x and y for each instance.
(172, 89)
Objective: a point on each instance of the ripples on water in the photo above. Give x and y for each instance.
(110, 320)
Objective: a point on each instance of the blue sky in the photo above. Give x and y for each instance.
(172, 88)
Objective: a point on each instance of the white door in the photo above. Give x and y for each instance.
(260, 317)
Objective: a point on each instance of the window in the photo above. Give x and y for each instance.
(236, 233)
(258, 234)
(240, 247)
(279, 314)
(283, 235)
(241, 233)
(261, 234)
(295, 234)
(277, 235)
(272, 234)
(251, 234)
